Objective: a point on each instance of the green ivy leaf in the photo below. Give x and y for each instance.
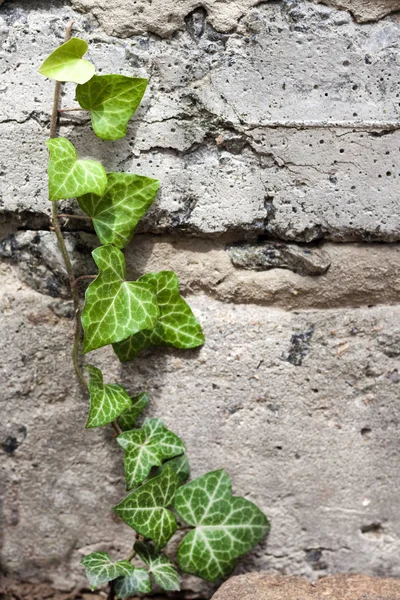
(226, 526)
(146, 448)
(66, 63)
(112, 101)
(70, 177)
(177, 325)
(160, 567)
(116, 213)
(128, 418)
(107, 401)
(145, 508)
(180, 465)
(100, 569)
(136, 582)
(115, 308)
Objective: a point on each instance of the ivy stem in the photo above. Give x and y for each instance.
(60, 239)
(116, 427)
(131, 556)
(111, 593)
(69, 216)
(81, 278)
(63, 110)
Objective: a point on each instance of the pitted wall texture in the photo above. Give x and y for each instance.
(274, 129)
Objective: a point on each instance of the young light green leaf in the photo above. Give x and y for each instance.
(137, 582)
(146, 448)
(112, 101)
(180, 465)
(115, 308)
(107, 401)
(70, 177)
(160, 567)
(225, 526)
(128, 418)
(66, 63)
(177, 325)
(145, 509)
(100, 569)
(116, 213)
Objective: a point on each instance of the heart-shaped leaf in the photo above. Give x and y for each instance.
(160, 567)
(112, 101)
(100, 569)
(180, 465)
(225, 526)
(66, 63)
(70, 177)
(115, 308)
(137, 582)
(146, 448)
(177, 325)
(107, 401)
(145, 509)
(116, 213)
(128, 418)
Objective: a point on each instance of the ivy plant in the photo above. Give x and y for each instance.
(132, 316)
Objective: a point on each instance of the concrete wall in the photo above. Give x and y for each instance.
(274, 128)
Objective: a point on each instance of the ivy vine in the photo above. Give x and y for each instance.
(132, 316)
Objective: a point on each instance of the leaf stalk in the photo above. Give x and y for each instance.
(69, 216)
(82, 278)
(63, 110)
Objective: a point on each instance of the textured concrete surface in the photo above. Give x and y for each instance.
(274, 128)
(166, 17)
(262, 131)
(366, 10)
(300, 407)
(256, 586)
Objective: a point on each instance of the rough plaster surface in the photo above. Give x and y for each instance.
(366, 10)
(263, 131)
(258, 586)
(269, 127)
(162, 18)
(301, 408)
(134, 17)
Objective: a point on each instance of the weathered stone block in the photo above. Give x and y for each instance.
(305, 423)
(366, 10)
(263, 131)
(257, 586)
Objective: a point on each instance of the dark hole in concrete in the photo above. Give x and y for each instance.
(372, 531)
(10, 445)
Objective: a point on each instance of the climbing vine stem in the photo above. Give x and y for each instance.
(60, 238)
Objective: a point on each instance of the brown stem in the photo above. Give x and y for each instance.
(81, 278)
(69, 216)
(63, 110)
(60, 239)
(131, 556)
(116, 427)
(111, 593)
(54, 113)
